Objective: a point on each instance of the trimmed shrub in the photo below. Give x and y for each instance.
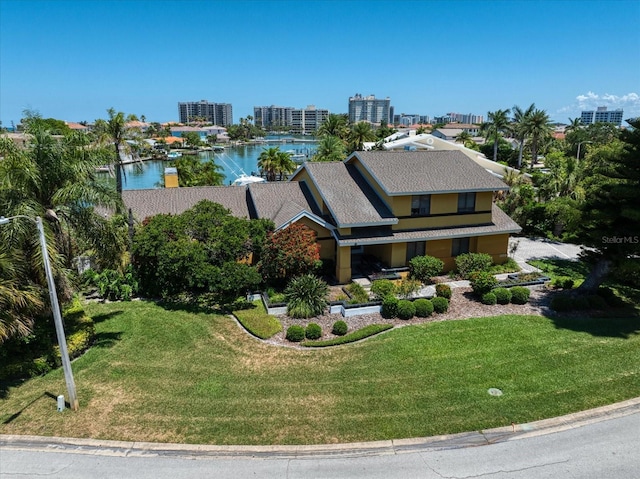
(358, 293)
(563, 282)
(295, 333)
(306, 296)
(503, 295)
(382, 288)
(423, 268)
(389, 307)
(424, 307)
(597, 302)
(440, 305)
(443, 290)
(406, 309)
(340, 328)
(610, 296)
(482, 282)
(313, 331)
(520, 295)
(467, 263)
(489, 298)
(357, 335)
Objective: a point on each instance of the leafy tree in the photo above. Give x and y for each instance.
(611, 218)
(289, 252)
(497, 123)
(464, 138)
(330, 148)
(384, 131)
(193, 172)
(192, 139)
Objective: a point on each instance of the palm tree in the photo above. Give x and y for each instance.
(268, 162)
(538, 127)
(330, 148)
(284, 164)
(464, 137)
(497, 123)
(114, 131)
(573, 125)
(520, 118)
(361, 132)
(335, 125)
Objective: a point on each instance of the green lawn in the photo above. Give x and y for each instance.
(174, 376)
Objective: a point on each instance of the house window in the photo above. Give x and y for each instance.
(466, 202)
(420, 205)
(415, 249)
(459, 246)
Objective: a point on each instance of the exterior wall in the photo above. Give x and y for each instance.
(441, 249)
(170, 181)
(495, 245)
(398, 255)
(444, 203)
(484, 200)
(323, 238)
(442, 221)
(343, 264)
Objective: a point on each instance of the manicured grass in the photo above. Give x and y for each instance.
(361, 333)
(174, 376)
(256, 320)
(554, 268)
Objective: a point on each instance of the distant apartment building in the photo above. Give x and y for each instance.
(302, 121)
(467, 118)
(601, 115)
(406, 119)
(272, 116)
(220, 114)
(369, 108)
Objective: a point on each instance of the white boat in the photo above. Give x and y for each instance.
(174, 154)
(245, 179)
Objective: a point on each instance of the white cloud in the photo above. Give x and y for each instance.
(629, 102)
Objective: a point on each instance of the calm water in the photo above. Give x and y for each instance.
(234, 161)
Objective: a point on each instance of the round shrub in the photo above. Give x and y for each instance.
(596, 302)
(443, 290)
(313, 331)
(406, 309)
(382, 288)
(482, 282)
(440, 305)
(339, 328)
(520, 295)
(563, 282)
(424, 307)
(467, 263)
(295, 333)
(489, 298)
(503, 295)
(423, 268)
(389, 307)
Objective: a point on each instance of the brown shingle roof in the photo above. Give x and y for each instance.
(501, 223)
(425, 172)
(348, 196)
(280, 202)
(145, 203)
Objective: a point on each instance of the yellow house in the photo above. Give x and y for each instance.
(376, 206)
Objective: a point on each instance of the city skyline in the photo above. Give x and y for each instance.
(73, 60)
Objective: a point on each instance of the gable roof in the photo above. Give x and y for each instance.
(426, 172)
(145, 203)
(284, 202)
(350, 199)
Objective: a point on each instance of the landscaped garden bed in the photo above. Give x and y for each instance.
(524, 279)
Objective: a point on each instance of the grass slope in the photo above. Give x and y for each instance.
(173, 376)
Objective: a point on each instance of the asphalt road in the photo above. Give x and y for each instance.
(604, 444)
(539, 248)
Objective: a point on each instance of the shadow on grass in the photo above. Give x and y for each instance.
(6, 384)
(99, 318)
(17, 414)
(106, 340)
(612, 327)
(562, 267)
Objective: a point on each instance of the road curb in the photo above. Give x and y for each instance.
(486, 437)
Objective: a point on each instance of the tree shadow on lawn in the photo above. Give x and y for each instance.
(99, 318)
(611, 327)
(106, 340)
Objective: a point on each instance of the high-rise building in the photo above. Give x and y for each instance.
(468, 118)
(369, 108)
(301, 121)
(601, 115)
(272, 116)
(220, 114)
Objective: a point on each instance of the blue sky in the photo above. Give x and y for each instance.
(72, 60)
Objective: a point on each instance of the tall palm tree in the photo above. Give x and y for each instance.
(464, 137)
(361, 132)
(284, 164)
(519, 121)
(334, 125)
(497, 123)
(330, 148)
(538, 127)
(114, 132)
(574, 124)
(268, 162)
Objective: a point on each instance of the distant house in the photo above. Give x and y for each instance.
(390, 206)
(449, 134)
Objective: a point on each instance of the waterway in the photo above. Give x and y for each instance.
(234, 161)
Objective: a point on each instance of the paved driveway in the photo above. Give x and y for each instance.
(538, 248)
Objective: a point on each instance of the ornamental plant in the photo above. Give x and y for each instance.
(443, 290)
(489, 298)
(482, 282)
(313, 331)
(295, 333)
(503, 295)
(306, 296)
(406, 309)
(440, 305)
(389, 307)
(520, 295)
(467, 263)
(424, 307)
(340, 328)
(382, 288)
(423, 268)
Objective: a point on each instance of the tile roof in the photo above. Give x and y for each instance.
(351, 200)
(145, 203)
(280, 202)
(425, 172)
(501, 223)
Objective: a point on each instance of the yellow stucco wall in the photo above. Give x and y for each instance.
(444, 203)
(441, 221)
(343, 264)
(171, 181)
(495, 245)
(484, 200)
